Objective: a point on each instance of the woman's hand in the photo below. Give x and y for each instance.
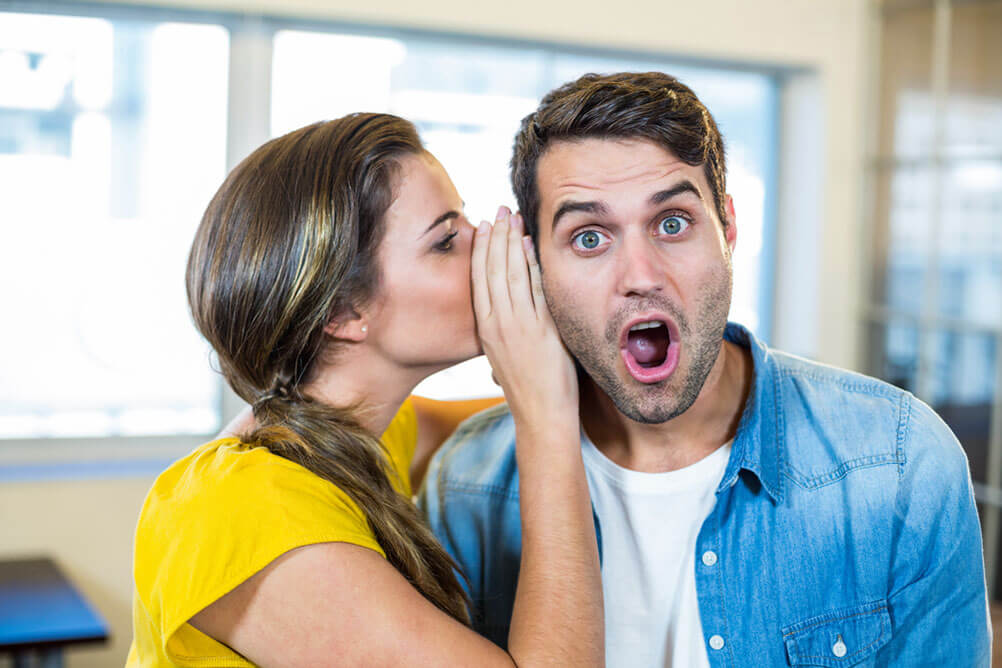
(539, 381)
(517, 332)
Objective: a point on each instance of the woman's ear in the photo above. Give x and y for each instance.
(349, 326)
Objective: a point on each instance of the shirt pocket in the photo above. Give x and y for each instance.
(843, 637)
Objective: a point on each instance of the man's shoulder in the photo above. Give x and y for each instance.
(823, 393)
(801, 371)
(877, 421)
(480, 456)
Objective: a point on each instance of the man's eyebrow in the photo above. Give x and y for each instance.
(686, 186)
(448, 215)
(570, 206)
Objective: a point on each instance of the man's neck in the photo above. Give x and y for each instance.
(710, 422)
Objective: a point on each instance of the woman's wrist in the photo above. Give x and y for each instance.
(548, 429)
(547, 447)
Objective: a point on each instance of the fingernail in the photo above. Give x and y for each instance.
(527, 243)
(503, 212)
(516, 221)
(483, 228)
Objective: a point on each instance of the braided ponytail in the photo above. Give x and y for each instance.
(331, 443)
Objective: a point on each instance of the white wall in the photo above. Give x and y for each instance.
(87, 525)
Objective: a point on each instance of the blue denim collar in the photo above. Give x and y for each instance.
(758, 444)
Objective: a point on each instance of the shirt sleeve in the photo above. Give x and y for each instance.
(938, 600)
(222, 516)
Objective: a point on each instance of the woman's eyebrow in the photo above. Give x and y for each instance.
(448, 215)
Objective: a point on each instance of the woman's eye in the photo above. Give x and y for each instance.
(589, 240)
(673, 225)
(445, 244)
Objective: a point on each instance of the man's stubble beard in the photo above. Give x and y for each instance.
(702, 340)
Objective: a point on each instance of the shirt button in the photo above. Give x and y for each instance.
(709, 558)
(716, 642)
(839, 649)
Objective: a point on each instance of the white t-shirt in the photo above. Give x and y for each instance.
(649, 523)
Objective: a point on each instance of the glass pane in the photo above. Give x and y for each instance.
(893, 350)
(904, 199)
(356, 76)
(112, 140)
(906, 102)
(974, 105)
(970, 245)
(961, 391)
(468, 101)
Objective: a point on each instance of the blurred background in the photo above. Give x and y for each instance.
(864, 146)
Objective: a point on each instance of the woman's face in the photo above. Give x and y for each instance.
(422, 315)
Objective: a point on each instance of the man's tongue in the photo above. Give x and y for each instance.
(648, 346)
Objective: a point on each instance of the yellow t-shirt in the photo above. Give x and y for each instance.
(220, 515)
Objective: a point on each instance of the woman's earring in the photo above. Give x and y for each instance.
(365, 328)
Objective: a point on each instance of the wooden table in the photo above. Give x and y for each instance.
(41, 612)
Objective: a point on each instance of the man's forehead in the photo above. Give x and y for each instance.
(595, 165)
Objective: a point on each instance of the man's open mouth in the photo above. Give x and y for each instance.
(650, 348)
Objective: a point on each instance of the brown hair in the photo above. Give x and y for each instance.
(627, 105)
(289, 242)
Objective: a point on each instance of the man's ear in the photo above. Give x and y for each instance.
(731, 231)
(348, 326)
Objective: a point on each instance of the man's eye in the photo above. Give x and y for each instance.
(588, 240)
(673, 225)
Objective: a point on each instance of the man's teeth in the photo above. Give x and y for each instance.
(646, 325)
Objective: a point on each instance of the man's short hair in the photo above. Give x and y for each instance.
(628, 105)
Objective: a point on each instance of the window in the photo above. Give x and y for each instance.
(935, 320)
(115, 133)
(112, 140)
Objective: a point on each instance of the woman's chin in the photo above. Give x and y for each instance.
(466, 353)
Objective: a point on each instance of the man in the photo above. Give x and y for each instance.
(753, 508)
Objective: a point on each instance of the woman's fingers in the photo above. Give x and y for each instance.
(518, 335)
(481, 292)
(535, 279)
(497, 263)
(518, 273)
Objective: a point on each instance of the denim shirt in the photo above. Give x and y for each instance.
(844, 532)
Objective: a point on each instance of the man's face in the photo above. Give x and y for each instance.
(636, 269)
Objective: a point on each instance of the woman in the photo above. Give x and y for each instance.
(331, 274)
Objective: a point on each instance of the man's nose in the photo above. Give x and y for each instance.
(641, 271)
